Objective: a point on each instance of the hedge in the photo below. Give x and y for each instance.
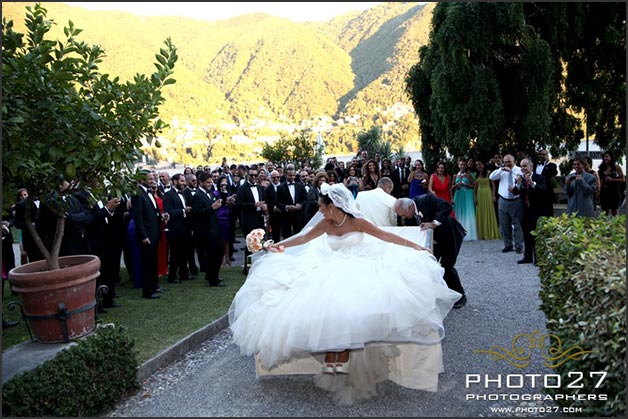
(83, 380)
(582, 268)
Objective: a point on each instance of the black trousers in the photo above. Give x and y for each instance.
(148, 256)
(178, 256)
(213, 251)
(446, 252)
(528, 224)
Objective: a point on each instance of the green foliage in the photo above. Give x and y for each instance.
(300, 148)
(83, 380)
(372, 142)
(582, 266)
(63, 119)
(590, 38)
(482, 82)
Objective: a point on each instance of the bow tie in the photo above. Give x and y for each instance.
(180, 192)
(290, 183)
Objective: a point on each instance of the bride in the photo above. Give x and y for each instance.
(362, 303)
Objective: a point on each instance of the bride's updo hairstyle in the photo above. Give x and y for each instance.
(339, 195)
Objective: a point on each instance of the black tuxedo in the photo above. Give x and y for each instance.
(177, 234)
(448, 235)
(250, 217)
(191, 246)
(274, 217)
(107, 238)
(312, 203)
(533, 203)
(147, 226)
(399, 179)
(206, 232)
(549, 172)
(293, 221)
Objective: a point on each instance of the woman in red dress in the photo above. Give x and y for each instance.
(440, 184)
(162, 258)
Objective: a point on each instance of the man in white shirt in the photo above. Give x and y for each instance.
(378, 205)
(509, 205)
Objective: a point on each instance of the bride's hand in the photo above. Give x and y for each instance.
(275, 248)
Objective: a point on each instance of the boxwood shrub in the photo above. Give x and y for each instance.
(582, 269)
(83, 380)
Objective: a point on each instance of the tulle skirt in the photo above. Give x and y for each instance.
(316, 298)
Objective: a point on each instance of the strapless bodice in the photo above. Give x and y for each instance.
(348, 240)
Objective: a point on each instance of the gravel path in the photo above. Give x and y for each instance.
(215, 380)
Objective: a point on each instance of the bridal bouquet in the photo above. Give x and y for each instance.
(255, 240)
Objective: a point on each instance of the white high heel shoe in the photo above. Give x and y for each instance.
(342, 367)
(328, 368)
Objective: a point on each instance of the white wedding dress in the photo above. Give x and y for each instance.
(384, 301)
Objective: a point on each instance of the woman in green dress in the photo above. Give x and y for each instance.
(485, 209)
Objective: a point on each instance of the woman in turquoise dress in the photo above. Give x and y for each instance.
(464, 200)
(485, 209)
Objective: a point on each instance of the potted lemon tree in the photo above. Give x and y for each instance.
(64, 120)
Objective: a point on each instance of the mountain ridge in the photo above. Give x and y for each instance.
(258, 67)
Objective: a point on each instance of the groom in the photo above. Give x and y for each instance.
(430, 211)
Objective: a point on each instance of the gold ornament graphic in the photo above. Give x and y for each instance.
(524, 345)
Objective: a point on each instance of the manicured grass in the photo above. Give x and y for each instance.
(154, 324)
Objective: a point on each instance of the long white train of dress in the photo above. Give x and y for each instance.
(383, 301)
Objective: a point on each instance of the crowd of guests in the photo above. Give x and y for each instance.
(177, 227)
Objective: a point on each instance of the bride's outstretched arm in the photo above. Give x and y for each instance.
(375, 231)
(299, 239)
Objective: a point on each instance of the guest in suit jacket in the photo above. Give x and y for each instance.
(399, 176)
(311, 206)
(206, 229)
(190, 248)
(177, 231)
(549, 171)
(106, 235)
(580, 188)
(147, 232)
(378, 205)
(430, 211)
(274, 213)
(531, 189)
(291, 199)
(251, 204)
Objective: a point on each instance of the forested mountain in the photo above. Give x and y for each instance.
(252, 78)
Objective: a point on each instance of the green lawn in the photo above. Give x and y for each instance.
(155, 324)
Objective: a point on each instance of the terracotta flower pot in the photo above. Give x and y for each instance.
(59, 305)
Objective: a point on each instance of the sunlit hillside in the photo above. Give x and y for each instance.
(250, 79)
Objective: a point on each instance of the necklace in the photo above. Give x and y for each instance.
(342, 222)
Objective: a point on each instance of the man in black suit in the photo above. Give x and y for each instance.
(106, 236)
(430, 211)
(549, 171)
(399, 176)
(176, 229)
(251, 204)
(206, 230)
(291, 200)
(531, 190)
(147, 230)
(274, 213)
(190, 248)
